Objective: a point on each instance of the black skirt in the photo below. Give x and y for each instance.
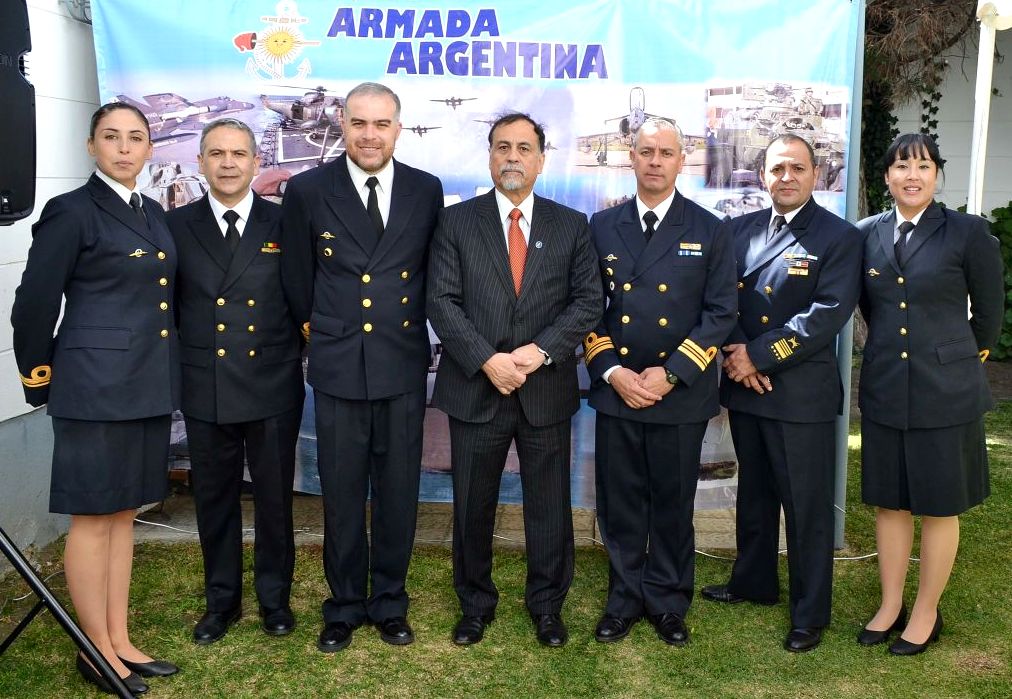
(938, 472)
(106, 467)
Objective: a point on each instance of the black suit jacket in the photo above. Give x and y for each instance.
(475, 311)
(920, 367)
(793, 299)
(239, 342)
(116, 355)
(671, 303)
(363, 299)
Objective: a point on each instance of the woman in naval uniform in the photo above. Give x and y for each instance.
(923, 389)
(109, 376)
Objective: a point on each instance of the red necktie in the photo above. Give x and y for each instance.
(518, 249)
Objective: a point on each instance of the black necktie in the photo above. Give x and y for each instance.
(135, 204)
(900, 246)
(231, 233)
(778, 223)
(373, 207)
(649, 218)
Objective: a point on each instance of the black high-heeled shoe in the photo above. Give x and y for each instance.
(132, 681)
(867, 637)
(901, 646)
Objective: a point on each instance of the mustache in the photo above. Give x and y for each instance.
(512, 168)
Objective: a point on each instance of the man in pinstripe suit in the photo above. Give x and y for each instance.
(513, 288)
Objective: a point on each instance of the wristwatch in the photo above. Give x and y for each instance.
(671, 377)
(548, 360)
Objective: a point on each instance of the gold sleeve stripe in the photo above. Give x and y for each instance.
(305, 331)
(984, 354)
(39, 378)
(781, 349)
(697, 354)
(595, 345)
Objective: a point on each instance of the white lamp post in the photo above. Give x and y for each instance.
(994, 16)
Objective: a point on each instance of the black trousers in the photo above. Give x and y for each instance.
(788, 464)
(646, 489)
(478, 455)
(368, 446)
(216, 463)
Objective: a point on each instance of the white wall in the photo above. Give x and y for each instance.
(955, 122)
(62, 69)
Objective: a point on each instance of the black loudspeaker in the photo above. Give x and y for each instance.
(17, 116)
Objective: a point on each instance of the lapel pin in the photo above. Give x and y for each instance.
(327, 235)
(539, 245)
(138, 253)
(611, 258)
(873, 272)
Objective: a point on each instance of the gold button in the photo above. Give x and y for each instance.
(903, 305)
(662, 355)
(164, 305)
(625, 319)
(366, 279)
(161, 255)
(367, 327)
(220, 302)
(903, 355)
(741, 285)
(623, 351)
(164, 333)
(221, 353)
(404, 300)
(663, 322)
(662, 288)
(627, 287)
(900, 280)
(609, 271)
(406, 323)
(251, 303)
(404, 274)
(764, 320)
(768, 290)
(251, 328)
(903, 331)
(221, 327)
(163, 281)
(252, 353)
(327, 252)
(366, 303)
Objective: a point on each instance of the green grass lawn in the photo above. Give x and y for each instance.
(735, 651)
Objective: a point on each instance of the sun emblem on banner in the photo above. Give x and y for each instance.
(279, 44)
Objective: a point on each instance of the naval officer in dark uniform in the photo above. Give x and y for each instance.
(357, 234)
(923, 387)
(242, 380)
(798, 272)
(110, 376)
(668, 271)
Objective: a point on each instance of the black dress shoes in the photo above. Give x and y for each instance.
(801, 639)
(156, 668)
(396, 631)
(213, 625)
(670, 628)
(277, 622)
(613, 628)
(471, 629)
(551, 630)
(901, 646)
(334, 637)
(867, 637)
(722, 593)
(134, 683)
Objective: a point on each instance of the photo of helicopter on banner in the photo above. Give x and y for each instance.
(592, 73)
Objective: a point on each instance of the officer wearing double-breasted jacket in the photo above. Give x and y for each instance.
(798, 282)
(668, 274)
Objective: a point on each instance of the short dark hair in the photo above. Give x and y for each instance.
(787, 139)
(912, 145)
(110, 107)
(511, 117)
